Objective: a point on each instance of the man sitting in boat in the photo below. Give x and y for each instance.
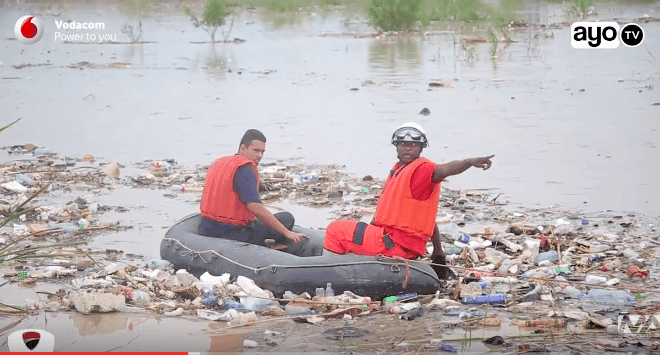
(231, 207)
(406, 212)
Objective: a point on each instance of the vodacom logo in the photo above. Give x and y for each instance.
(28, 29)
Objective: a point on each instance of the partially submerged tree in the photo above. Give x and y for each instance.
(214, 17)
(137, 10)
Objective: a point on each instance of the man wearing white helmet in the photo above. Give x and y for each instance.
(405, 216)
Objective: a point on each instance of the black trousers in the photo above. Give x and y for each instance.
(256, 232)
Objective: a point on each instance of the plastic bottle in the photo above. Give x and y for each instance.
(595, 280)
(630, 254)
(495, 298)
(617, 297)
(292, 310)
(257, 304)
(413, 313)
(83, 223)
(533, 295)
(595, 258)
(404, 307)
(160, 264)
(320, 292)
(599, 248)
(448, 348)
(329, 292)
(509, 244)
(561, 269)
(480, 245)
(451, 249)
(231, 304)
(504, 268)
(464, 238)
(140, 297)
(573, 292)
(611, 265)
(207, 292)
(210, 301)
(25, 180)
(551, 256)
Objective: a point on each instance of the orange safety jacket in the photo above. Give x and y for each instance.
(220, 202)
(399, 210)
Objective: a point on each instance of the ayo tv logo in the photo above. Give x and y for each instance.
(28, 29)
(31, 340)
(586, 35)
(638, 324)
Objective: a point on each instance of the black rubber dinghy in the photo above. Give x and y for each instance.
(301, 268)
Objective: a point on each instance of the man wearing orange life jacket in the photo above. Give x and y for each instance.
(231, 207)
(406, 212)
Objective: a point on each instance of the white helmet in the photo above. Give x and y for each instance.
(410, 132)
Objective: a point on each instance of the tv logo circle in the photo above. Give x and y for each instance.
(31, 340)
(28, 29)
(608, 35)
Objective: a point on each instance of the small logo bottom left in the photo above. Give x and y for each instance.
(31, 340)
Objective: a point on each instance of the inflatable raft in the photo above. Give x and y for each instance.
(300, 268)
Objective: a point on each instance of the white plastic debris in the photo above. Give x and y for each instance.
(177, 312)
(56, 271)
(217, 281)
(86, 302)
(247, 343)
(112, 170)
(185, 277)
(215, 316)
(20, 229)
(251, 288)
(14, 186)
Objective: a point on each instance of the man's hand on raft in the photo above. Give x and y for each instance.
(483, 162)
(295, 237)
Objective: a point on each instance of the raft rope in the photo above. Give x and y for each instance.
(407, 278)
(379, 258)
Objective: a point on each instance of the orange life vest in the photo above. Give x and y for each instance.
(399, 210)
(220, 202)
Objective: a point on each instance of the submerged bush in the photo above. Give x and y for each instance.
(394, 15)
(214, 18)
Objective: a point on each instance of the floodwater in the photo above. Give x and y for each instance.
(567, 126)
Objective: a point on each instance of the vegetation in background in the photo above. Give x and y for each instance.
(137, 10)
(394, 15)
(214, 17)
(581, 7)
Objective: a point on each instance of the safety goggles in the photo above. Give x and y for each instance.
(409, 132)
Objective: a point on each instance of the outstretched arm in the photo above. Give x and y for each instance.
(268, 219)
(456, 167)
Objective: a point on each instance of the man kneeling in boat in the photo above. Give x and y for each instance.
(406, 212)
(231, 207)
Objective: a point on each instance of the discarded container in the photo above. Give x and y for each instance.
(630, 254)
(402, 297)
(561, 269)
(595, 280)
(599, 248)
(611, 265)
(329, 292)
(258, 304)
(464, 238)
(231, 304)
(492, 299)
(25, 180)
(550, 256)
(617, 297)
(247, 343)
(447, 348)
(320, 292)
(292, 310)
(404, 307)
(595, 257)
(140, 297)
(573, 292)
(160, 264)
(533, 295)
(210, 301)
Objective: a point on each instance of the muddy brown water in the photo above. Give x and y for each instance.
(567, 127)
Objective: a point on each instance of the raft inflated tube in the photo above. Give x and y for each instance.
(302, 267)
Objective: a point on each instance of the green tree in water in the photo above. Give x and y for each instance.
(394, 15)
(214, 17)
